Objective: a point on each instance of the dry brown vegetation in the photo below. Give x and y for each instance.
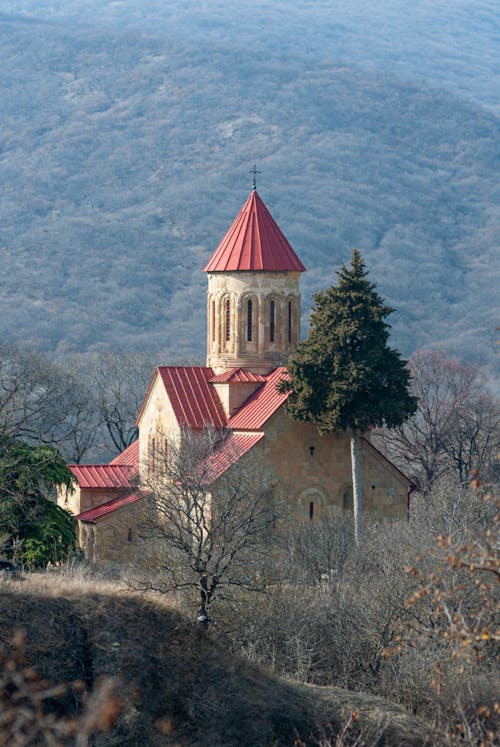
(173, 684)
(393, 643)
(411, 616)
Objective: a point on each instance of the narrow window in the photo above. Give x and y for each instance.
(249, 321)
(228, 320)
(272, 319)
(289, 322)
(165, 452)
(213, 321)
(311, 510)
(153, 454)
(347, 501)
(129, 536)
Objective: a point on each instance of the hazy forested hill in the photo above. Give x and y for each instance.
(127, 130)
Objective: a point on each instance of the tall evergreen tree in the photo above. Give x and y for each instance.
(344, 376)
(33, 529)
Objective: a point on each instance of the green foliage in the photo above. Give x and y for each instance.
(33, 529)
(345, 375)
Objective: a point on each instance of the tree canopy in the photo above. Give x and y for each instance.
(33, 529)
(344, 375)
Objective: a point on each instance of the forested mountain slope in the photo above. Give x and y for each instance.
(127, 132)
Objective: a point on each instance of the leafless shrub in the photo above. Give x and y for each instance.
(201, 536)
(317, 551)
(453, 624)
(35, 712)
(336, 629)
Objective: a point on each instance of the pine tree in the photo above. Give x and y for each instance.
(344, 376)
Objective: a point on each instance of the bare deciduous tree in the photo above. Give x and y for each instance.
(43, 401)
(203, 535)
(119, 382)
(456, 428)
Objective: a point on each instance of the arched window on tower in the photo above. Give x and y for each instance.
(289, 322)
(272, 321)
(249, 321)
(213, 320)
(227, 319)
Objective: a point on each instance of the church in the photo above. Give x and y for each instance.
(253, 324)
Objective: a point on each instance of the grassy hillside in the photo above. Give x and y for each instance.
(175, 686)
(126, 136)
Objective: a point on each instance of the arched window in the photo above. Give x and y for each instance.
(249, 321)
(213, 320)
(227, 319)
(272, 321)
(310, 504)
(289, 322)
(129, 536)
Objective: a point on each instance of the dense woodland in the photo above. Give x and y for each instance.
(127, 134)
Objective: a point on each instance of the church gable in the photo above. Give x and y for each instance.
(315, 471)
(178, 397)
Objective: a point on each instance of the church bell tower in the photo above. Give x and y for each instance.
(253, 294)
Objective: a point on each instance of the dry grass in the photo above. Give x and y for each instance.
(177, 686)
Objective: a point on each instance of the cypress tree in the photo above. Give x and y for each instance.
(345, 376)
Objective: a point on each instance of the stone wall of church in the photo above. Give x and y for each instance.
(315, 471)
(157, 425)
(258, 343)
(113, 537)
(81, 499)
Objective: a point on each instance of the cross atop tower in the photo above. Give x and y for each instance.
(254, 172)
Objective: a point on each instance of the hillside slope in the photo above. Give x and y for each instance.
(125, 142)
(166, 672)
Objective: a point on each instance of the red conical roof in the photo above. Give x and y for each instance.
(254, 242)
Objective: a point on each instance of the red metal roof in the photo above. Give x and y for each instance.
(106, 508)
(130, 456)
(195, 403)
(261, 405)
(254, 242)
(238, 376)
(227, 453)
(103, 475)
